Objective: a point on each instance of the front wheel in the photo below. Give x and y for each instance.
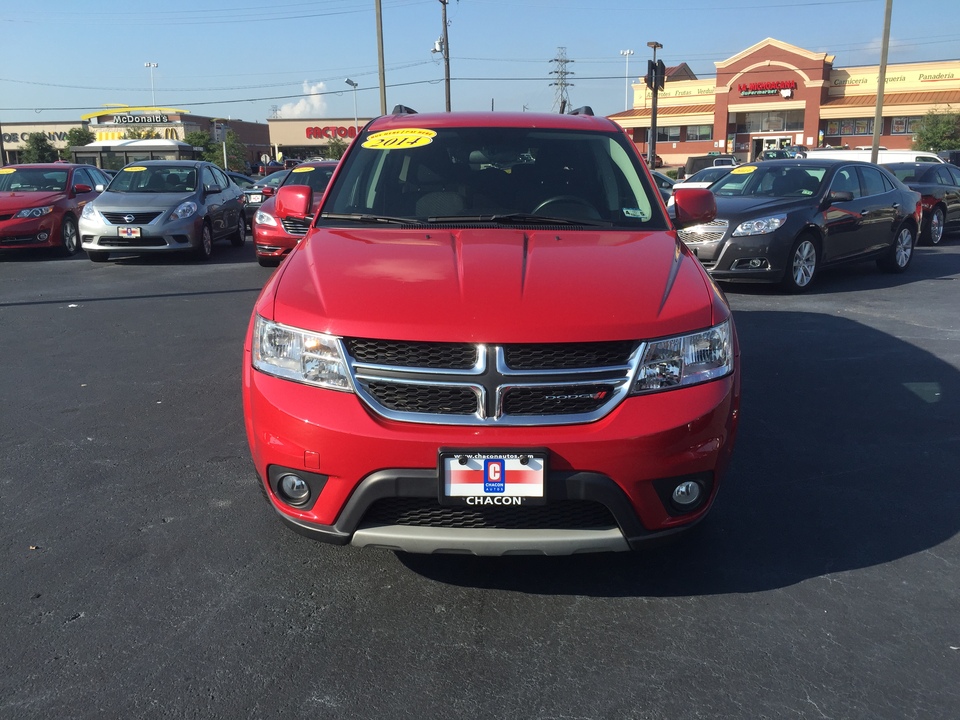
(802, 264)
(934, 233)
(898, 257)
(69, 236)
(204, 250)
(239, 236)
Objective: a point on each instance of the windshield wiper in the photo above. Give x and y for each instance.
(367, 218)
(519, 218)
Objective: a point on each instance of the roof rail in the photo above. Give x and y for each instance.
(403, 110)
(584, 110)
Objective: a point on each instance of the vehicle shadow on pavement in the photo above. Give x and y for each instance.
(846, 458)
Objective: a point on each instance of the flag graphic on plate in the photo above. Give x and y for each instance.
(490, 474)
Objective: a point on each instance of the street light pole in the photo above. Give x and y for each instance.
(153, 92)
(652, 144)
(626, 77)
(356, 119)
(446, 56)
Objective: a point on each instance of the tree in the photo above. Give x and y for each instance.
(142, 133)
(76, 137)
(336, 148)
(236, 153)
(200, 139)
(39, 150)
(938, 131)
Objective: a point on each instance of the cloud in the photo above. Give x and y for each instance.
(312, 106)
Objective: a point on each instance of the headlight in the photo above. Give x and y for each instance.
(760, 226)
(262, 218)
(299, 355)
(35, 212)
(184, 210)
(89, 212)
(685, 360)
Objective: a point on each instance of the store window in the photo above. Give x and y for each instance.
(772, 121)
(700, 132)
(851, 126)
(668, 134)
(904, 125)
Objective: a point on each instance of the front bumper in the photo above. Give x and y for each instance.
(273, 242)
(357, 459)
(30, 232)
(156, 236)
(758, 258)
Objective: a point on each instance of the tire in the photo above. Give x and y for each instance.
(239, 236)
(898, 257)
(98, 255)
(69, 236)
(802, 264)
(934, 231)
(268, 261)
(204, 250)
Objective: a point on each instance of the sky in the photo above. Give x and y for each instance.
(60, 59)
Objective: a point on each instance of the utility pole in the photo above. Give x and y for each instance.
(655, 79)
(881, 81)
(563, 99)
(383, 77)
(446, 56)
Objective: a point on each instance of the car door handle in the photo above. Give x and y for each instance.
(896, 206)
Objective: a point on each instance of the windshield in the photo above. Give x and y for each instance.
(710, 174)
(154, 179)
(495, 174)
(771, 181)
(315, 178)
(32, 180)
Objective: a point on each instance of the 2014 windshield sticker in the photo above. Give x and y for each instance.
(743, 170)
(7, 171)
(135, 168)
(399, 139)
(303, 169)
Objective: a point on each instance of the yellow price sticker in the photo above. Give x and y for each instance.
(135, 168)
(399, 139)
(743, 170)
(7, 171)
(303, 169)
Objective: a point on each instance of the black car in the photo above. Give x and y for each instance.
(939, 186)
(782, 220)
(262, 189)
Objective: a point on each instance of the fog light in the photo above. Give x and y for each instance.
(686, 494)
(294, 489)
(42, 236)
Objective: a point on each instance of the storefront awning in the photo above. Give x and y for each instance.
(669, 115)
(894, 104)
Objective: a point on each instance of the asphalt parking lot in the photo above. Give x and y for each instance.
(144, 576)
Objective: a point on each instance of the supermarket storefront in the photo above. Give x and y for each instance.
(773, 95)
(305, 138)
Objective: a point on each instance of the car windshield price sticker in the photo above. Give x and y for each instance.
(492, 478)
(399, 139)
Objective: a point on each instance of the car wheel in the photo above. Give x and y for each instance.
(69, 236)
(239, 236)
(204, 250)
(268, 261)
(98, 255)
(802, 264)
(900, 254)
(934, 233)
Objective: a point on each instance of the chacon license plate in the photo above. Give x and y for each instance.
(128, 232)
(511, 478)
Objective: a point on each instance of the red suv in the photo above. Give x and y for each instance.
(274, 237)
(491, 341)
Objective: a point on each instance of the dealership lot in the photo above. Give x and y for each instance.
(143, 575)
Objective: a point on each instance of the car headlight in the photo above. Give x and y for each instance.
(35, 212)
(685, 360)
(262, 218)
(184, 210)
(90, 213)
(760, 226)
(299, 355)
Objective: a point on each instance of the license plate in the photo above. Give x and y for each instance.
(256, 198)
(504, 478)
(128, 232)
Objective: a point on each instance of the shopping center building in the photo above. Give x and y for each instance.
(773, 95)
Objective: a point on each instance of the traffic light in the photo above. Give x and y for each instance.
(661, 74)
(656, 74)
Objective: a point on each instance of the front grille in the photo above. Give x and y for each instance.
(112, 241)
(708, 232)
(469, 384)
(296, 226)
(139, 218)
(428, 513)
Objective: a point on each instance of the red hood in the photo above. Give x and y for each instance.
(17, 200)
(492, 286)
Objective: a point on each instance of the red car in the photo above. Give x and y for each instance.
(41, 203)
(939, 188)
(275, 239)
(491, 341)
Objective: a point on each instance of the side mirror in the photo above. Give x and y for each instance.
(82, 188)
(837, 196)
(294, 201)
(693, 206)
(212, 189)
